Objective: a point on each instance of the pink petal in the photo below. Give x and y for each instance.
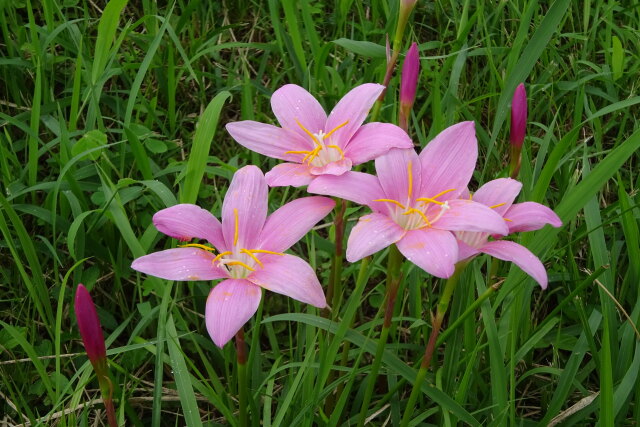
(530, 216)
(334, 168)
(434, 251)
(229, 305)
(375, 139)
(185, 221)
(354, 107)
(291, 276)
(393, 173)
(357, 187)
(292, 221)
(371, 234)
(449, 160)
(466, 215)
(520, 256)
(502, 191)
(291, 103)
(465, 251)
(518, 116)
(179, 264)
(247, 195)
(268, 140)
(286, 174)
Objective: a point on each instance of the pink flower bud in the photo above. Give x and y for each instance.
(89, 325)
(518, 116)
(409, 79)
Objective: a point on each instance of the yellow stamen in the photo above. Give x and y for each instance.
(410, 177)
(264, 251)
(297, 152)
(335, 129)
(220, 255)
(235, 230)
(426, 200)
(307, 132)
(312, 154)
(507, 219)
(241, 264)
(255, 258)
(197, 245)
(424, 217)
(395, 202)
(445, 192)
(497, 206)
(337, 148)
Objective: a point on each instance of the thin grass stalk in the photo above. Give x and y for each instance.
(393, 281)
(241, 354)
(436, 324)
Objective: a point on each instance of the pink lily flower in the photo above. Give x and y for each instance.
(250, 249)
(415, 201)
(313, 144)
(499, 195)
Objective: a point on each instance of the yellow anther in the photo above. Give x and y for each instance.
(335, 147)
(197, 245)
(507, 219)
(395, 202)
(335, 129)
(240, 263)
(308, 132)
(297, 152)
(426, 200)
(497, 206)
(220, 255)
(419, 212)
(312, 154)
(410, 178)
(255, 258)
(264, 251)
(444, 192)
(235, 228)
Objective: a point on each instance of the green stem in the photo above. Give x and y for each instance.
(241, 352)
(443, 306)
(514, 162)
(334, 289)
(393, 281)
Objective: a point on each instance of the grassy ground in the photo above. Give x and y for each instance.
(98, 115)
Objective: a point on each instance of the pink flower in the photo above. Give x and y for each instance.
(518, 116)
(250, 249)
(314, 144)
(90, 329)
(499, 195)
(410, 74)
(415, 202)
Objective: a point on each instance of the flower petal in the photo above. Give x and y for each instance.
(434, 251)
(371, 234)
(393, 173)
(292, 221)
(502, 191)
(185, 221)
(268, 140)
(179, 264)
(357, 187)
(292, 104)
(286, 174)
(449, 160)
(520, 256)
(465, 251)
(375, 139)
(334, 168)
(466, 215)
(530, 216)
(247, 195)
(291, 276)
(353, 107)
(229, 305)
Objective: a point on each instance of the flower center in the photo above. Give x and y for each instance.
(239, 262)
(417, 213)
(323, 152)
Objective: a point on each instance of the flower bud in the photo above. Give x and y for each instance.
(518, 116)
(89, 325)
(408, 84)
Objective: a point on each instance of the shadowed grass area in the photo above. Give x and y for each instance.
(111, 112)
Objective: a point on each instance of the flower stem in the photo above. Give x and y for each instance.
(514, 163)
(436, 323)
(241, 352)
(334, 289)
(393, 281)
(101, 368)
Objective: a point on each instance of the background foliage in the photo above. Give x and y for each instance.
(98, 112)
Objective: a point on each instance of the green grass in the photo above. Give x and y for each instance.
(109, 113)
